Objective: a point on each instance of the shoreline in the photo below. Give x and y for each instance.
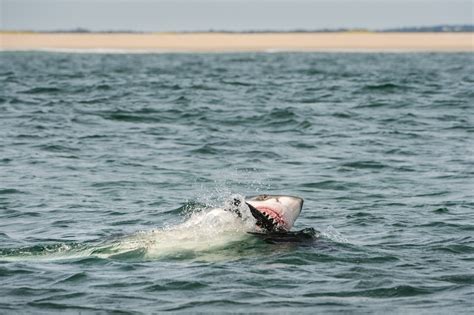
(237, 42)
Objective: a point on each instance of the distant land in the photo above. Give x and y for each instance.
(434, 29)
(361, 41)
(413, 29)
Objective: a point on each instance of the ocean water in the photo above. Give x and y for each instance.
(109, 164)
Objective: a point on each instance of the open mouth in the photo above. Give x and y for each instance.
(268, 218)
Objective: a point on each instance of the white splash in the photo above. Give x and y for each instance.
(332, 234)
(206, 230)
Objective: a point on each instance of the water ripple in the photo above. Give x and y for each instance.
(100, 153)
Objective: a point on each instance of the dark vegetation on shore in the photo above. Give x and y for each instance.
(417, 29)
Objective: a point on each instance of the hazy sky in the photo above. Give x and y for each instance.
(192, 15)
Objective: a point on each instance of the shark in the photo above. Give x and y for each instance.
(205, 232)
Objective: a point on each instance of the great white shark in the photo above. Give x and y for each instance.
(208, 231)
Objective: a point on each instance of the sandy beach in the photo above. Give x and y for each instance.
(226, 42)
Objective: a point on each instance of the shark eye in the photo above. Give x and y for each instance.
(263, 197)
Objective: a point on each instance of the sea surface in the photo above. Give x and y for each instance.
(109, 163)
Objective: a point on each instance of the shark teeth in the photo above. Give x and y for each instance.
(265, 220)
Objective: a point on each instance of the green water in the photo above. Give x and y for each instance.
(107, 160)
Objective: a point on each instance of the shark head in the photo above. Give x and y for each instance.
(275, 213)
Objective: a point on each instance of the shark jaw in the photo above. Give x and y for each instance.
(275, 213)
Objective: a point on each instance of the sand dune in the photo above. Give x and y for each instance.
(216, 42)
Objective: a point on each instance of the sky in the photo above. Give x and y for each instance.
(229, 15)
